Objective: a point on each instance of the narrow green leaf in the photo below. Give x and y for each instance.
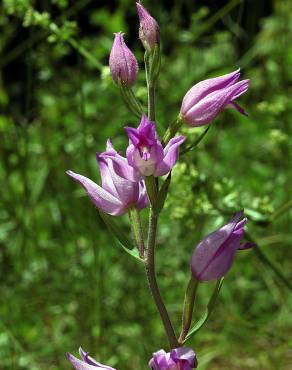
(210, 307)
(163, 194)
(196, 142)
(123, 240)
(130, 100)
(155, 62)
(132, 252)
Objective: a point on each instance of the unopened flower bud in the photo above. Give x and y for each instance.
(122, 62)
(205, 100)
(149, 29)
(214, 255)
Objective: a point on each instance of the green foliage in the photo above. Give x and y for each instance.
(63, 281)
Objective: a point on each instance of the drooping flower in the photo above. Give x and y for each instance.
(205, 100)
(87, 362)
(145, 153)
(214, 255)
(122, 62)
(182, 358)
(117, 194)
(149, 32)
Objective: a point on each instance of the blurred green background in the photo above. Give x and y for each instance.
(64, 280)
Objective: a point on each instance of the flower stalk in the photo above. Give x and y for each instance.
(152, 190)
(151, 276)
(172, 130)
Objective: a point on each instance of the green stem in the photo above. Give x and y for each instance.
(152, 190)
(137, 231)
(188, 308)
(151, 187)
(172, 130)
(151, 276)
(150, 87)
(151, 102)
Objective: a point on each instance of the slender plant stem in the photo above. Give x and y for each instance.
(172, 130)
(151, 102)
(188, 308)
(137, 231)
(152, 189)
(151, 276)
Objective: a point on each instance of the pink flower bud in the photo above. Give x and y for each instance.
(122, 62)
(205, 100)
(214, 255)
(149, 29)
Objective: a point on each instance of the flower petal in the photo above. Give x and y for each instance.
(81, 365)
(143, 200)
(206, 87)
(186, 354)
(247, 245)
(122, 168)
(106, 179)
(91, 361)
(204, 253)
(209, 107)
(237, 107)
(170, 152)
(217, 266)
(100, 197)
(125, 190)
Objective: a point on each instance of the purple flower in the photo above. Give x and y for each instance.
(149, 29)
(122, 62)
(145, 153)
(182, 358)
(214, 255)
(87, 362)
(116, 195)
(205, 100)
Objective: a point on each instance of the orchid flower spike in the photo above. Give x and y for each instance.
(117, 194)
(149, 32)
(182, 358)
(214, 255)
(122, 62)
(87, 362)
(205, 100)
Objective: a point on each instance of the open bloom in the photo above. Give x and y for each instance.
(149, 32)
(122, 62)
(182, 358)
(87, 362)
(205, 100)
(117, 194)
(145, 153)
(214, 255)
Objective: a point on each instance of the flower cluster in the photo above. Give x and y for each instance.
(130, 183)
(122, 178)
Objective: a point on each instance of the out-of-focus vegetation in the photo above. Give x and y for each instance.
(64, 281)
